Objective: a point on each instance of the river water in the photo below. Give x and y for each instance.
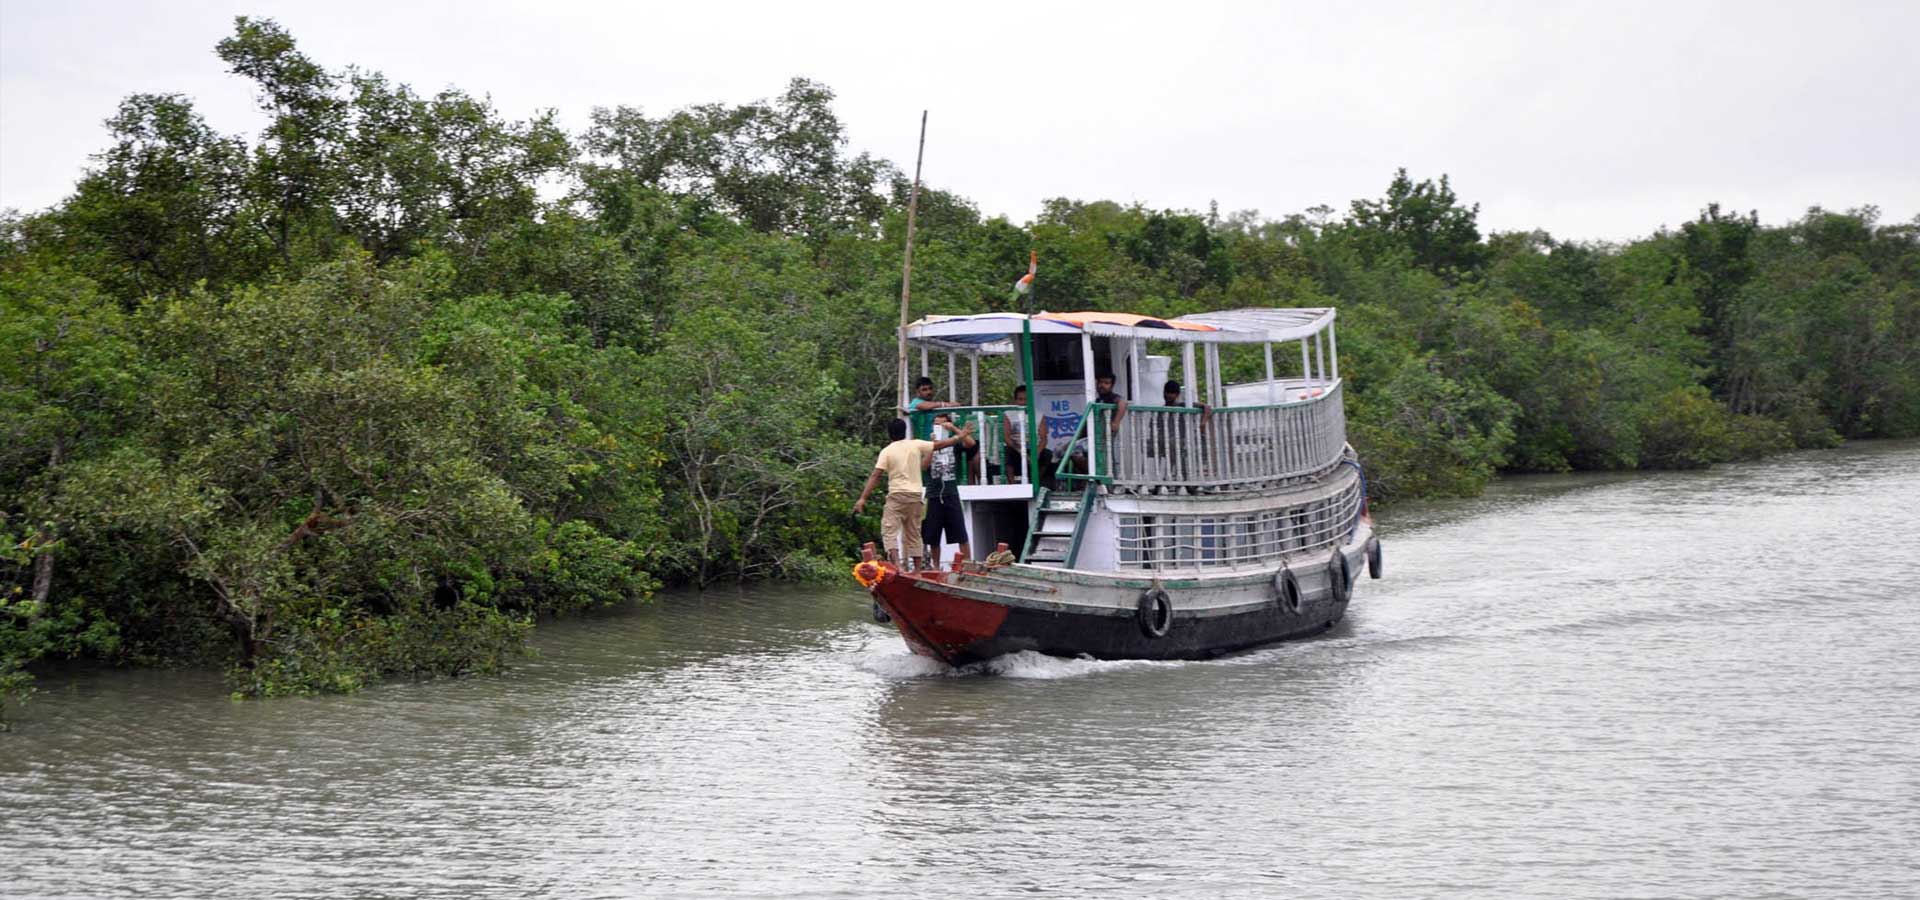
(1671, 685)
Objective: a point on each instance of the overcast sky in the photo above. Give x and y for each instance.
(1593, 121)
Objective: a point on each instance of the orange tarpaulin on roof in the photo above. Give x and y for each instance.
(1129, 320)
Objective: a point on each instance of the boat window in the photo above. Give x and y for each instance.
(1131, 545)
(1057, 357)
(1245, 539)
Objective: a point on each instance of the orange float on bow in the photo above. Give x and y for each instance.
(873, 571)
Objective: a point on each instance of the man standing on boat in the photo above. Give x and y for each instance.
(945, 516)
(901, 462)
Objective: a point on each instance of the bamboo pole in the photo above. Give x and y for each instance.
(906, 268)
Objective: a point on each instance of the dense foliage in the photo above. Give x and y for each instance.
(368, 392)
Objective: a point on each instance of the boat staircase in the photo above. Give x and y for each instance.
(1054, 530)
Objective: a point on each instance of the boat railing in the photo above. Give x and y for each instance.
(1088, 450)
(1256, 538)
(992, 461)
(1232, 448)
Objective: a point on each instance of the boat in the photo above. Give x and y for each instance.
(1234, 517)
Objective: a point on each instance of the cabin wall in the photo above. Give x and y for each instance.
(1099, 543)
(1154, 372)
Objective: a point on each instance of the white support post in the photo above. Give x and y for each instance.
(1134, 387)
(1333, 349)
(1219, 376)
(973, 361)
(953, 376)
(923, 362)
(1213, 375)
(1191, 391)
(1306, 364)
(1320, 348)
(1086, 363)
(1087, 424)
(1272, 388)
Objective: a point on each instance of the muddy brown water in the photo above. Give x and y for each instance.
(1672, 685)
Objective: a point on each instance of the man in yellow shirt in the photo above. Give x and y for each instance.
(901, 462)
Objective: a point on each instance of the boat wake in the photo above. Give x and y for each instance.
(1039, 666)
(1026, 664)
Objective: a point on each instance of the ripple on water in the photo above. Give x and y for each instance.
(1687, 684)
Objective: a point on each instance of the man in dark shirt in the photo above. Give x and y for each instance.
(1103, 393)
(945, 515)
(1171, 437)
(1013, 432)
(1170, 396)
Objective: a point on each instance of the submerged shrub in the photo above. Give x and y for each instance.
(334, 651)
(1685, 429)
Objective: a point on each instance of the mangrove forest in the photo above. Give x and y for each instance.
(370, 392)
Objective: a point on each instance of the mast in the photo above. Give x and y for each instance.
(906, 272)
(1033, 435)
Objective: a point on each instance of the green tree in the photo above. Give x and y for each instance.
(774, 165)
(1426, 220)
(295, 175)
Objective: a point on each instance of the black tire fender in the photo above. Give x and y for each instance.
(1375, 570)
(1339, 576)
(1287, 591)
(1155, 613)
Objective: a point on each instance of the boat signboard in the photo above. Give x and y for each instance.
(1060, 403)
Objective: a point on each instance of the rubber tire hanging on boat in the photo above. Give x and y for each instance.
(1287, 589)
(1374, 566)
(1155, 613)
(1339, 577)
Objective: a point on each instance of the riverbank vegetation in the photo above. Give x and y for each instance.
(369, 392)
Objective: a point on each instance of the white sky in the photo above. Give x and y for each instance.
(1593, 121)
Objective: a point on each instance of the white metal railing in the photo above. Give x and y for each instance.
(1231, 448)
(992, 462)
(1188, 541)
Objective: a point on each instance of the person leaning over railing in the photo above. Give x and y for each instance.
(922, 401)
(1103, 393)
(901, 462)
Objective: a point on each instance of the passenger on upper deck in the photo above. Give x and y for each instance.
(1013, 432)
(1170, 396)
(1170, 436)
(1103, 388)
(922, 401)
(1103, 393)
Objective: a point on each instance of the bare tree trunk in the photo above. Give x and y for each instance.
(43, 574)
(43, 564)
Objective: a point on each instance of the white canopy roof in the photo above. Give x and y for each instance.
(1270, 324)
(993, 333)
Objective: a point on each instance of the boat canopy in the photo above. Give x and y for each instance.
(992, 334)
